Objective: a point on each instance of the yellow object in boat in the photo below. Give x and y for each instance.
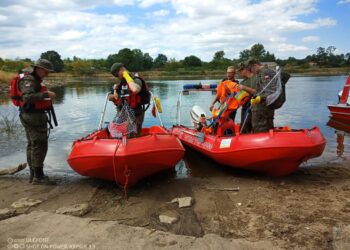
(158, 104)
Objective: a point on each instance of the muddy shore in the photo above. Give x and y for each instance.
(309, 209)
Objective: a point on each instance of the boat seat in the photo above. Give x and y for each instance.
(228, 128)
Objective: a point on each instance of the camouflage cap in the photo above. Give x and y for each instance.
(242, 66)
(252, 61)
(115, 68)
(44, 64)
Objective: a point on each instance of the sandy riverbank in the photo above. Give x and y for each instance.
(308, 209)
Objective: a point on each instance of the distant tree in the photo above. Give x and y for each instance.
(321, 56)
(55, 58)
(330, 50)
(192, 61)
(268, 57)
(219, 55)
(257, 51)
(99, 64)
(244, 55)
(172, 64)
(134, 60)
(160, 61)
(126, 56)
(13, 65)
(147, 61)
(137, 62)
(347, 59)
(82, 67)
(112, 59)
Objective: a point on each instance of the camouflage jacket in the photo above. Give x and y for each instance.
(30, 86)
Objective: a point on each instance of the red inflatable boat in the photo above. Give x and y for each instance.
(277, 153)
(98, 155)
(125, 160)
(341, 110)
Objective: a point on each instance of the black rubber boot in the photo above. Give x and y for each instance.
(31, 174)
(40, 178)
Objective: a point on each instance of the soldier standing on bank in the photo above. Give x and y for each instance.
(34, 100)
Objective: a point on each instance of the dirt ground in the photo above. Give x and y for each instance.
(302, 211)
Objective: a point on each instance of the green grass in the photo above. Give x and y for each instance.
(6, 77)
(10, 124)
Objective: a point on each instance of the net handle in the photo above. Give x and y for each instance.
(102, 117)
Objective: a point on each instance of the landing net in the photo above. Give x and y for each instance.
(275, 88)
(124, 123)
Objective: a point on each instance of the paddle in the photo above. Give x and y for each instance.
(199, 135)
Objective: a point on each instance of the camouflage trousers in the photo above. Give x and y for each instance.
(139, 117)
(35, 125)
(262, 118)
(246, 119)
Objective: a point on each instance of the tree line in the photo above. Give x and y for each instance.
(137, 61)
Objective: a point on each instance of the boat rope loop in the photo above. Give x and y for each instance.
(127, 174)
(115, 165)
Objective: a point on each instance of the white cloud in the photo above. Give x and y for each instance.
(148, 3)
(196, 27)
(344, 2)
(160, 13)
(310, 39)
(284, 47)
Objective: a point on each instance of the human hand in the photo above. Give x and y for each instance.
(211, 107)
(51, 94)
(115, 86)
(255, 100)
(127, 77)
(240, 87)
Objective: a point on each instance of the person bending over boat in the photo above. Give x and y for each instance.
(246, 113)
(132, 91)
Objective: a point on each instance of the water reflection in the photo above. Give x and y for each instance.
(342, 131)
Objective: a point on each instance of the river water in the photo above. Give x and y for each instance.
(79, 104)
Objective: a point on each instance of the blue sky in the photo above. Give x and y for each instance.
(176, 28)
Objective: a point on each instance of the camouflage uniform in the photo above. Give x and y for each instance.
(34, 121)
(245, 109)
(262, 115)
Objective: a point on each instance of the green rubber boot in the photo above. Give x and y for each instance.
(41, 179)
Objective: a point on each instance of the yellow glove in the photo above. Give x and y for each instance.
(255, 100)
(127, 77)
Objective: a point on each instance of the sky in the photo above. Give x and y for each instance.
(176, 28)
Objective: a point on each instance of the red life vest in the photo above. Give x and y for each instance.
(134, 100)
(17, 96)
